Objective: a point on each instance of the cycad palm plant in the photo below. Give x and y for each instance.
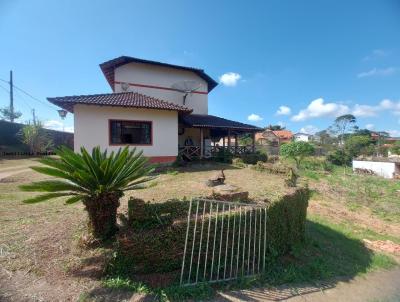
(99, 180)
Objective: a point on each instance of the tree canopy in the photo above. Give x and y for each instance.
(297, 151)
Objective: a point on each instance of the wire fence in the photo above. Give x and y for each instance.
(224, 241)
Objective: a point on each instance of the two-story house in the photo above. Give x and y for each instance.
(156, 107)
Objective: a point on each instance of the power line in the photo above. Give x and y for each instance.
(8, 91)
(31, 96)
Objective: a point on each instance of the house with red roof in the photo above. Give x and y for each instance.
(159, 108)
(273, 137)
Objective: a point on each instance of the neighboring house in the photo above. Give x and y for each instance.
(302, 137)
(159, 108)
(274, 137)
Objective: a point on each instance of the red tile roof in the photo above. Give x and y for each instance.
(109, 67)
(124, 99)
(285, 134)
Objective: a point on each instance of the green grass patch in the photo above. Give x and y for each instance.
(329, 251)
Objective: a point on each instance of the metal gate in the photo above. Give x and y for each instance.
(224, 241)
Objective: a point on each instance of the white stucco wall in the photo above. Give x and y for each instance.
(384, 169)
(92, 128)
(159, 76)
(301, 138)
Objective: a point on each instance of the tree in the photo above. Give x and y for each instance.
(344, 124)
(357, 145)
(98, 180)
(297, 151)
(35, 137)
(274, 127)
(395, 149)
(6, 114)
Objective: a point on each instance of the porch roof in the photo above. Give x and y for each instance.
(212, 121)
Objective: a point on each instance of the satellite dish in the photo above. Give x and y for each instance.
(125, 86)
(186, 87)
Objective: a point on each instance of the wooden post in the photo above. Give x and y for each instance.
(201, 143)
(223, 142)
(229, 140)
(236, 143)
(253, 143)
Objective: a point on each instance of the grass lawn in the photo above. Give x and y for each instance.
(41, 252)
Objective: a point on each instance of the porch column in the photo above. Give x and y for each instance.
(223, 141)
(229, 139)
(236, 143)
(253, 143)
(201, 143)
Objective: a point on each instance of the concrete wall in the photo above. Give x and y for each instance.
(92, 128)
(162, 77)
(301, 138)
(384, 169)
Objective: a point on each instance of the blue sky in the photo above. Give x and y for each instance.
(299, 63)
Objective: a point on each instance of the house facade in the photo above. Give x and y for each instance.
(159, 108)
(302, 137)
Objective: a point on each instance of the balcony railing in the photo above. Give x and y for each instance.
(195, 152)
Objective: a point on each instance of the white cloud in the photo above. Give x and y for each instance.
(365, 110)
(370, 126)
(284, 110)
(57, 125)
(318, 108)
(254, 117)
(309, 129)
(376, 53)
(390, 105)
(394, 133)
(230, 78)
(378, 72)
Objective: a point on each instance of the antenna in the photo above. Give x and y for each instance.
(186, 87)
(125, 86)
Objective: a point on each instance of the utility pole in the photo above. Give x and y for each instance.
(11, 98)
(34, 116)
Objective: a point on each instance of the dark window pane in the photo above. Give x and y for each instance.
(130, 132)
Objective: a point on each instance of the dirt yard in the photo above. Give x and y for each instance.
(40, 257)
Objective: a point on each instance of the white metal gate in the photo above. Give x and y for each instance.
(224, 241)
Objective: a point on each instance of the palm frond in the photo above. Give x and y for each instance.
(45, 197)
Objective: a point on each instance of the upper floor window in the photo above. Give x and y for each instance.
(130, 132)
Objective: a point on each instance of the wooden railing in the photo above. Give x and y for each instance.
(194, 152)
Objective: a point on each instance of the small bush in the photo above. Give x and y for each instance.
(253, 158)
(223, 156)
(291, 178)
(238, 162)
(339, 157)
(259, 166)
(179, 162)
(273, 159)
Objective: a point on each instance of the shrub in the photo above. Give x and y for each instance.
(253, 158)
(338, 157)
(238, 162)
(155, 241)
(223, 156)
(291, 178)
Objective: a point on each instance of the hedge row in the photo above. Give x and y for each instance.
(155, 239)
